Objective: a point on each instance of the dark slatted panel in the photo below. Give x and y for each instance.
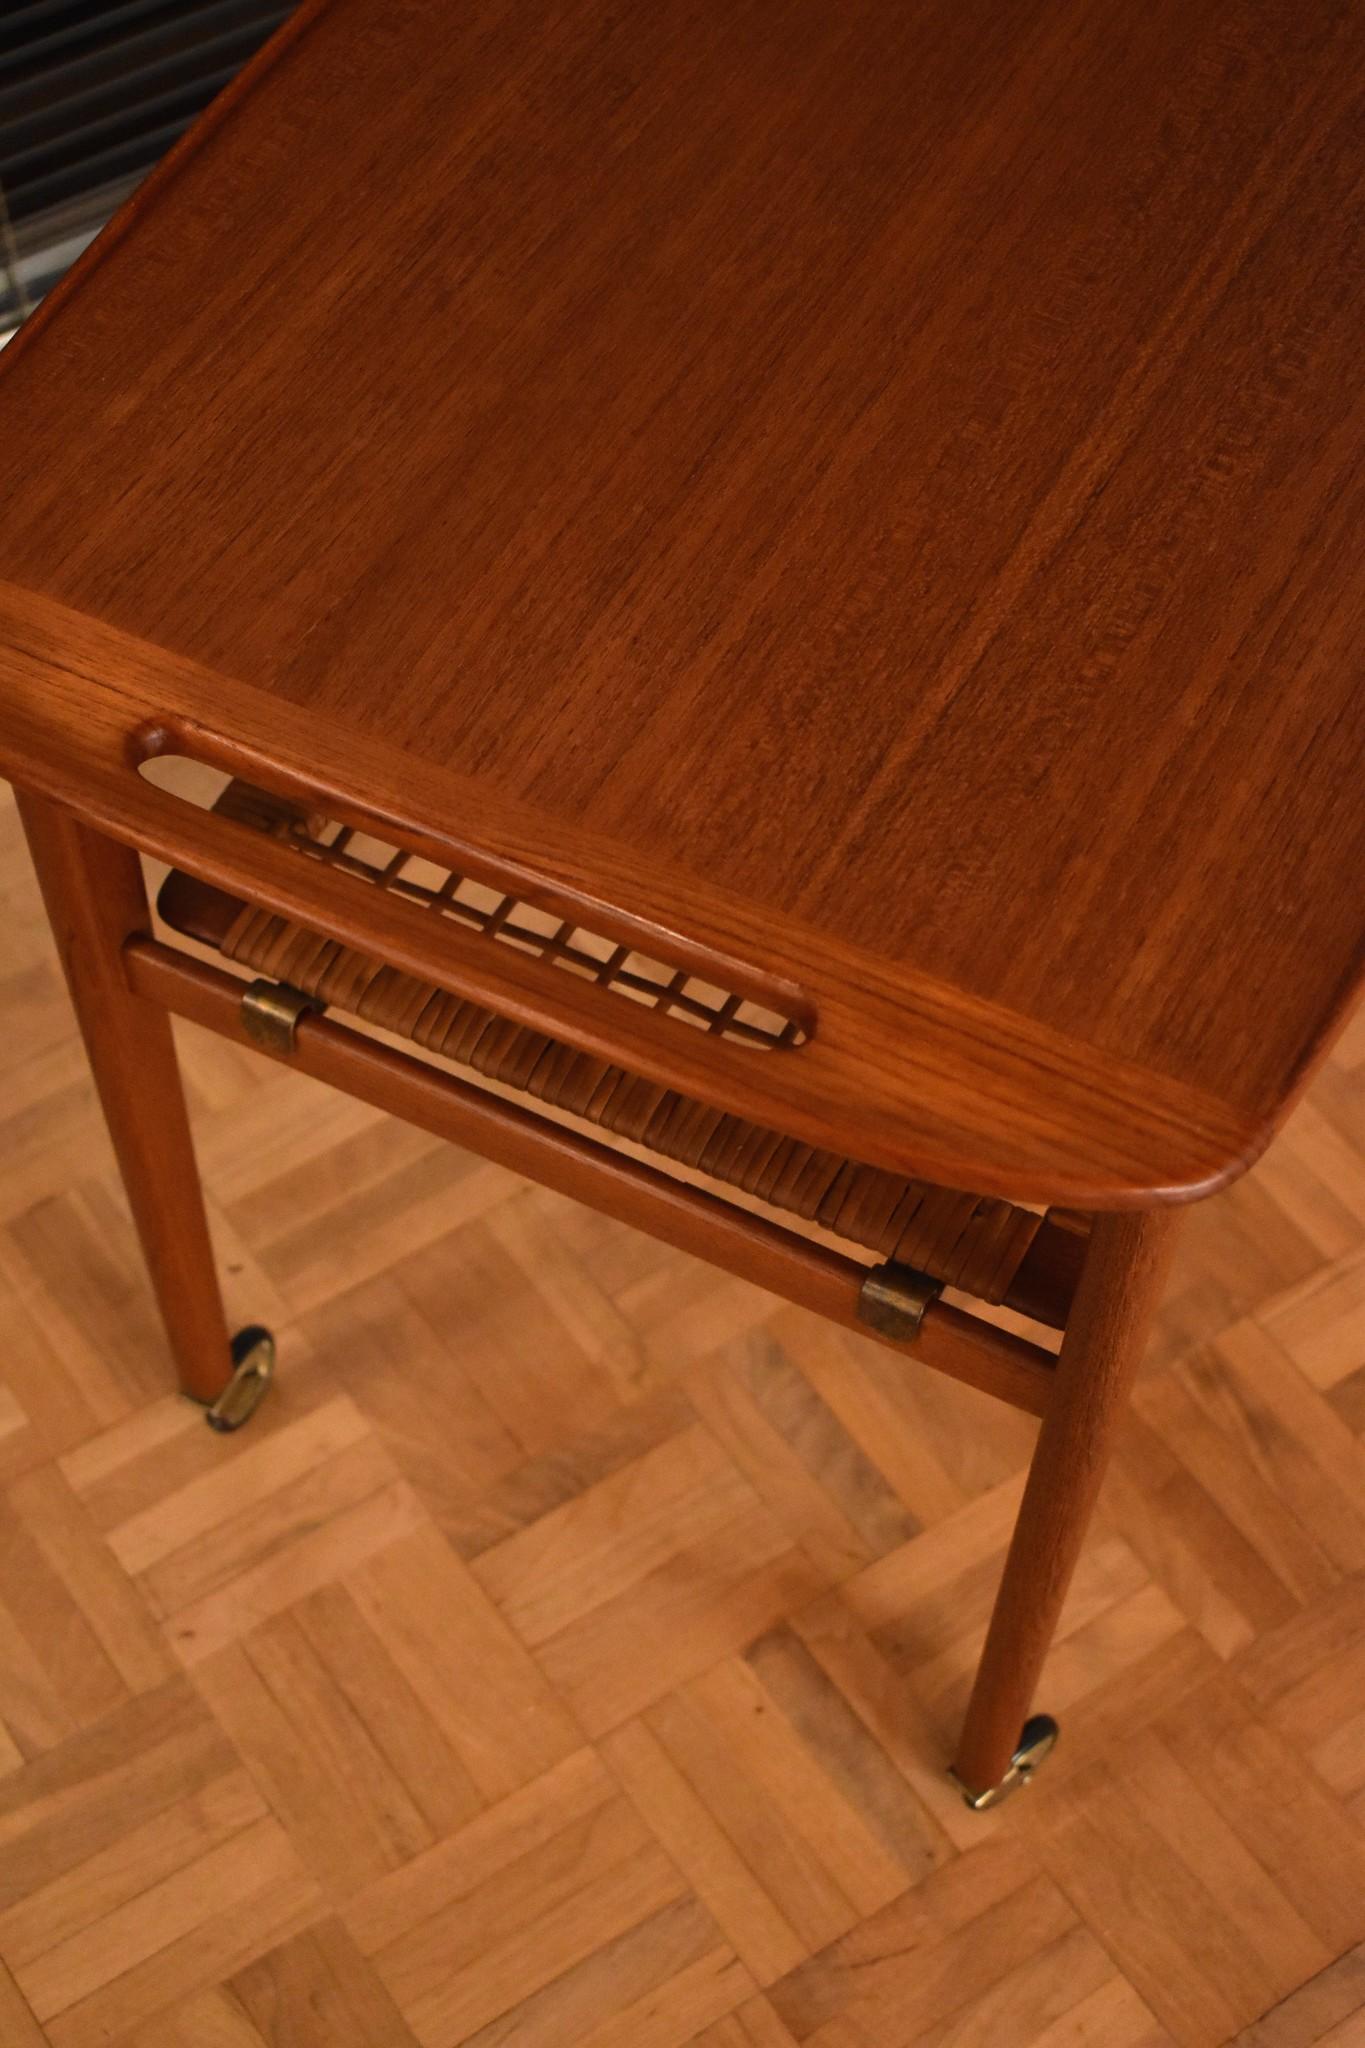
(90, 97)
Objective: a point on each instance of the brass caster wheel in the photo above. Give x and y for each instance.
(1037, 1741)
(253, 1368)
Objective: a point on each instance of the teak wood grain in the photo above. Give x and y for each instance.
(872, 492)
(901, 1071)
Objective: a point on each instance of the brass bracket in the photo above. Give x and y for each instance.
(271, 1012)
(892, 1300)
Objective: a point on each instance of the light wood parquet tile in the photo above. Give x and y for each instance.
(1323, 2013)
(943, 1945)
(21, 2029)
(317, 1991)
(751, 2025)
(566, 1655)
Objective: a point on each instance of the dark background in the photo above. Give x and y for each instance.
(90, 96)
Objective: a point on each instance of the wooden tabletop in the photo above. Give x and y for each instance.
(872, 492)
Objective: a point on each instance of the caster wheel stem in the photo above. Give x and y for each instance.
(1037, 1741)
(253, 1369)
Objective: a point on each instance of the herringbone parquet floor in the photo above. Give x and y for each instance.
(566, 1655)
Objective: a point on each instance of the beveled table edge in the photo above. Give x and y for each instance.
(903, 1071)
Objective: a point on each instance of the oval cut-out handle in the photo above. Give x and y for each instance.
(696, 994)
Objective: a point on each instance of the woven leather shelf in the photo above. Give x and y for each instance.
(989, 1248)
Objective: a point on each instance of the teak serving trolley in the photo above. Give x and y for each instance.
(779, 585)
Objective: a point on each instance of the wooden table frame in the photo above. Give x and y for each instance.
(945, 633)
(125, 983)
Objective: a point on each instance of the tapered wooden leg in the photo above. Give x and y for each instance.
(93, 890)
(1105, 1333)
